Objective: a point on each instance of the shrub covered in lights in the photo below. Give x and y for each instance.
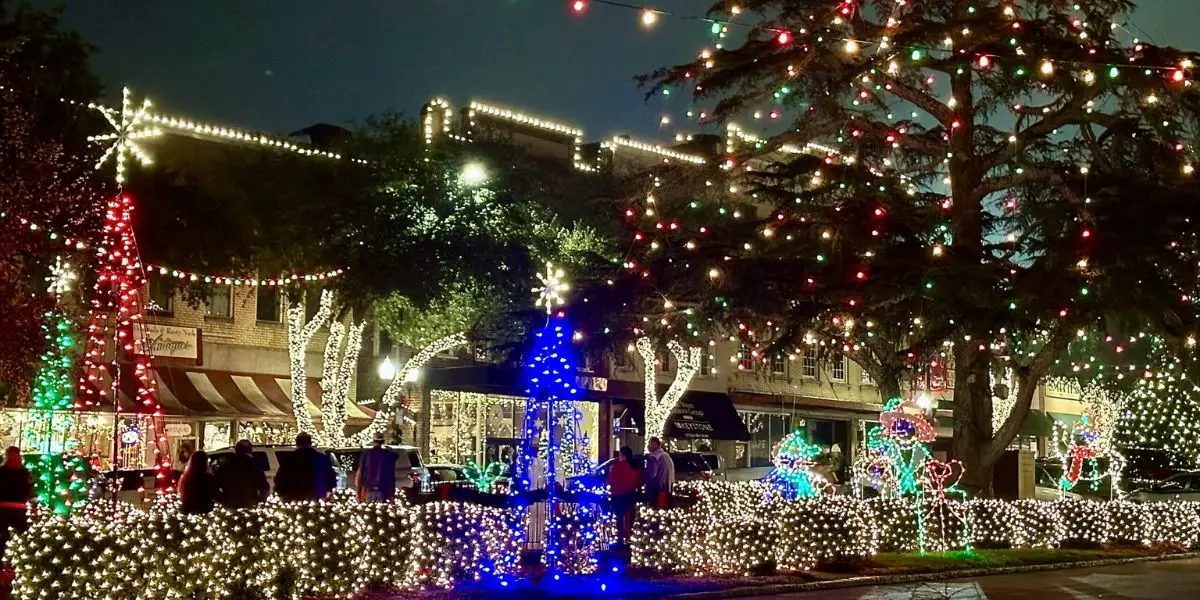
(323, 549)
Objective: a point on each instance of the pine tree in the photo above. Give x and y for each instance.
(974, 180)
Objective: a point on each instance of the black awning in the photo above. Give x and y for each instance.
(707, 415)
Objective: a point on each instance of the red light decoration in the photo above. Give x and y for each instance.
(114, 335)
(784, 38)
(579, 6)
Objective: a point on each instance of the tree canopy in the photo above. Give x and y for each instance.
(981, 183)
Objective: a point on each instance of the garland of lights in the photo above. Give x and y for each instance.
(299, 334)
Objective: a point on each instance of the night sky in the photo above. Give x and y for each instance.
(278, 65)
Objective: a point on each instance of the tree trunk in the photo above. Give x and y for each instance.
(888, 386)
(973, 420)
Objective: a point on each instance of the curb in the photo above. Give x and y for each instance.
(870, 580)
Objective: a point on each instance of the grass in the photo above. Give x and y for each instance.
(894, 563)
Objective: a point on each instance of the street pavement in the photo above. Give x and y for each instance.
(1167, 580)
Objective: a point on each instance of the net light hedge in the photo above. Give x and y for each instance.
(337, 549)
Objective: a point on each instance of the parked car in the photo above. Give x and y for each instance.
(1046, 484)
(598, 477)
(409, 471)
(1181, 487)
(716, 464)
(691, 466)
(129, 486)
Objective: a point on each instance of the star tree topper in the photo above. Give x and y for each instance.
(61, 277)
(552, 289)
(126, 132)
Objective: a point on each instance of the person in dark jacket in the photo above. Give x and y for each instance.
(196, 486)
(305, 474)
(240, 482)
(376, 479)
(16, 490)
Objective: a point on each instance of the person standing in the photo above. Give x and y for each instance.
(196, 486)
(623, 483)
(660, 474)
(305, 474)
(376, 477)
(239, 480)
(16, 490)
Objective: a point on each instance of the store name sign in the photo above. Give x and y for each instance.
(167, 341)
(595, 384)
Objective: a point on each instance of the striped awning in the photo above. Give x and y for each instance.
(192, 392)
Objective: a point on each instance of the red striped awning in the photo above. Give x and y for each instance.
(193, 392)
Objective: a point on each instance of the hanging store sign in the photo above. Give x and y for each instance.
(168, 341)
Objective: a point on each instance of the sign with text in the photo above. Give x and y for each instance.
(595, 384)
(168, 341)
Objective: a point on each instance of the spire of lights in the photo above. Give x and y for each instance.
(126, 133)
(61, 277)
(552, 289)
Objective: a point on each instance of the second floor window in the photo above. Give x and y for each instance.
(866, 377)
(778, 365)
(267, 308)
(162, 296)
(745, 362)
(839, 368)
(219, 302)
(664, 361)
(623, 361)
(809, 365)
(706, 362)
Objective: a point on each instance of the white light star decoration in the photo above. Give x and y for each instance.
(61, 277)
(552, 289)
(126, 133)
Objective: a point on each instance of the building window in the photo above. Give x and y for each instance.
(312, 303)
(810, 365)
(664, 361)
(219, 302)
(744, 361)
(267, 308)
(866, 377)
(779, 365)
(706, 362)
(162, 296)
(839, 368)
(587, 364)
(624, 363)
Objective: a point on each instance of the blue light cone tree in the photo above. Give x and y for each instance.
(554, 447)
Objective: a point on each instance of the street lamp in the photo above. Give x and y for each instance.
(473, 174)
(387, 369)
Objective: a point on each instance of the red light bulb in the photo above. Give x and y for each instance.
(579, 6)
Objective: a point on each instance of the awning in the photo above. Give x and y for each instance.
(189, 392)
(1037, 424)
(706, 415)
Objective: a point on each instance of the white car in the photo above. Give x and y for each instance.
(1181, 487)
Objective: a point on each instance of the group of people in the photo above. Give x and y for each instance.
(626, 481)
(305, 474)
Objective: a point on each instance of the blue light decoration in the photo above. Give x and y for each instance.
(794, 458)
(554, 450)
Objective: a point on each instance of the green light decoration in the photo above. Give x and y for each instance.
(793, 457)
(59, 474)
(484, 477)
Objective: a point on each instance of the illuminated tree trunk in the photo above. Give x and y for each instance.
(300, 334)
(340, 363)
(658, 409)
(392, 396)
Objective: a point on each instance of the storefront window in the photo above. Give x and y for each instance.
(766, 430)
(485, 428)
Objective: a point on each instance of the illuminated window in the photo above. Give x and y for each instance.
(809, 368)
(219, 302)
(839, 368)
